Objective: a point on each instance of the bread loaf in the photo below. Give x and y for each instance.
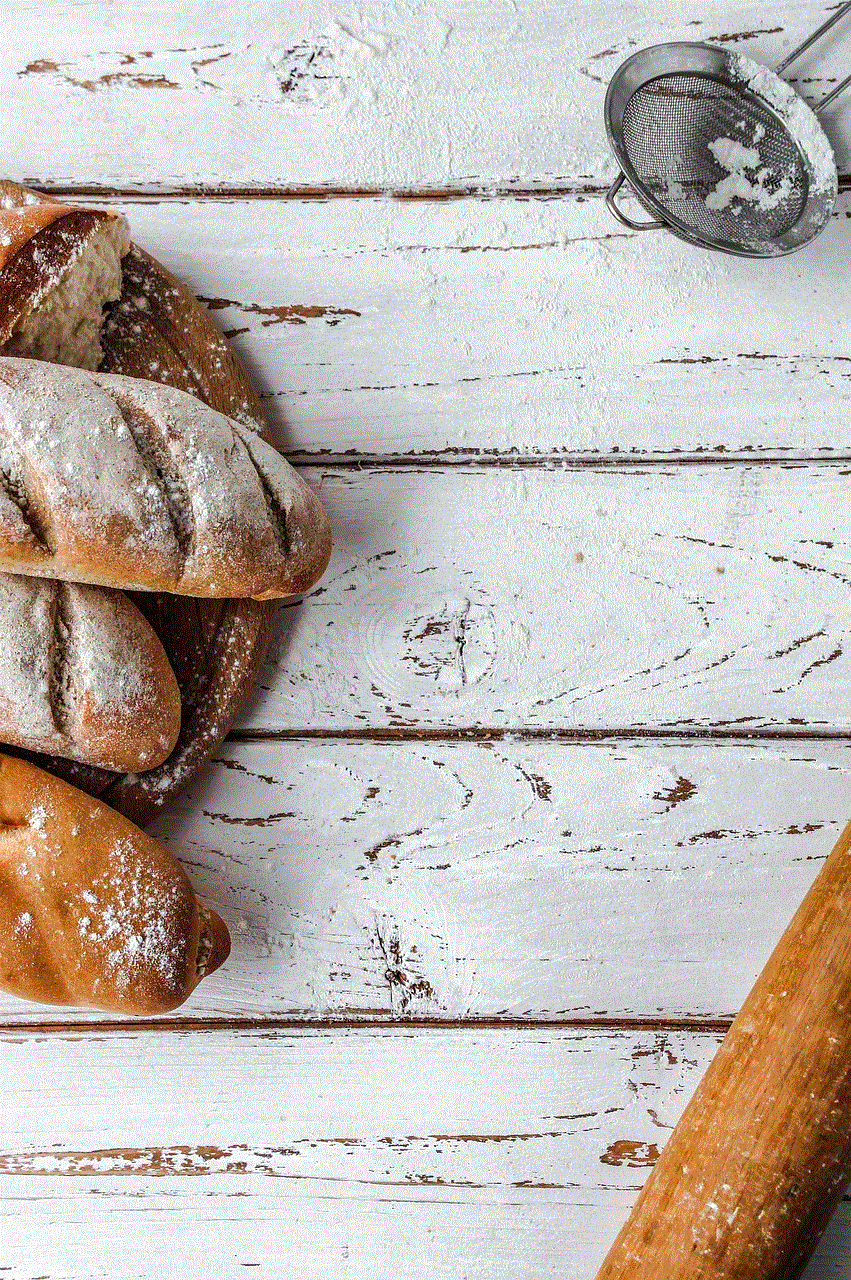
(83, 675)
(128, 483)
(58, 267)
(93, 911)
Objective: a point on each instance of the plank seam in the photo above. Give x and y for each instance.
(414, 733)
(700, 1026)
(487, 460)
(484, 191)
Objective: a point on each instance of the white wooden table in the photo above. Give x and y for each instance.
(533, 781)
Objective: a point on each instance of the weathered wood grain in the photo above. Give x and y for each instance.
(400, 94)
(475, 1153)
(134, 1228)
(373, 1106)
(514, 327)
(532, 880)
(439, 879)
(684, 596)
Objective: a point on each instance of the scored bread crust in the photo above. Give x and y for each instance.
(84, 676)
(129, 483)
(39, 243)
(93, 912)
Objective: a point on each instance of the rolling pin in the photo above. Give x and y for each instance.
(754, 1169)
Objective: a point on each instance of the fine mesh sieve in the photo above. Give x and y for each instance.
(720, 150)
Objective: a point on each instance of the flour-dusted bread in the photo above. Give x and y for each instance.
(58, 267)
(128, 483)
(83, 675)
(93, 911)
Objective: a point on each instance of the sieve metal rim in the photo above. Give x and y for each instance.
(684, 57)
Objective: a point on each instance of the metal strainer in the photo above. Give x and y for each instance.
(719, 150)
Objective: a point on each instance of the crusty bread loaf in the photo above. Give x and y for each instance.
(93, 911)
(83, 675)
(128, 483)
(58, 267)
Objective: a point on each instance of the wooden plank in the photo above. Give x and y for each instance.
(135, 1228)
(682, 597)
(475, 1153)
(526, 880)
(399, 95)
(371, 1106)
(516, 327)
(132, 1229)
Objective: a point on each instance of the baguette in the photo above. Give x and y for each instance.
(128, 483)
(94, 912)
(83, 675)
(58, 267)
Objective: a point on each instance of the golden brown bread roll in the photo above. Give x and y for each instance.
(128, 483)
(83, 675)
(93, 911)
(58, 267)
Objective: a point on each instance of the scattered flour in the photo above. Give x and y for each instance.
(737, 159)
(801, 120)
(131, 910)
(77, 670)
(38, 818)
(174, 475)
(732, 155)
(748, 179)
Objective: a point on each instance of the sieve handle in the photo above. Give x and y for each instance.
(810, 40)
(834, 93)
(622, 217)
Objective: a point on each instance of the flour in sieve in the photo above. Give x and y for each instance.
(739, 161)
(800, 119)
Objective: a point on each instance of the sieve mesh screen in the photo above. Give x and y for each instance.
(668, 125)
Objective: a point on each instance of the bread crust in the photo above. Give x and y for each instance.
(84, 676)
(38, 243)
(128, 483)
(93, 912)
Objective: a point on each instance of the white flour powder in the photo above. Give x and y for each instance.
(801, 120)
(740, 160)
(748, 178)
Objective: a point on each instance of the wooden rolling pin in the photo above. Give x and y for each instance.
(762, 1155)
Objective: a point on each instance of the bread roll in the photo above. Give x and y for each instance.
(83, 675)
(128, 483)
(58, 267)
(93, 911)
